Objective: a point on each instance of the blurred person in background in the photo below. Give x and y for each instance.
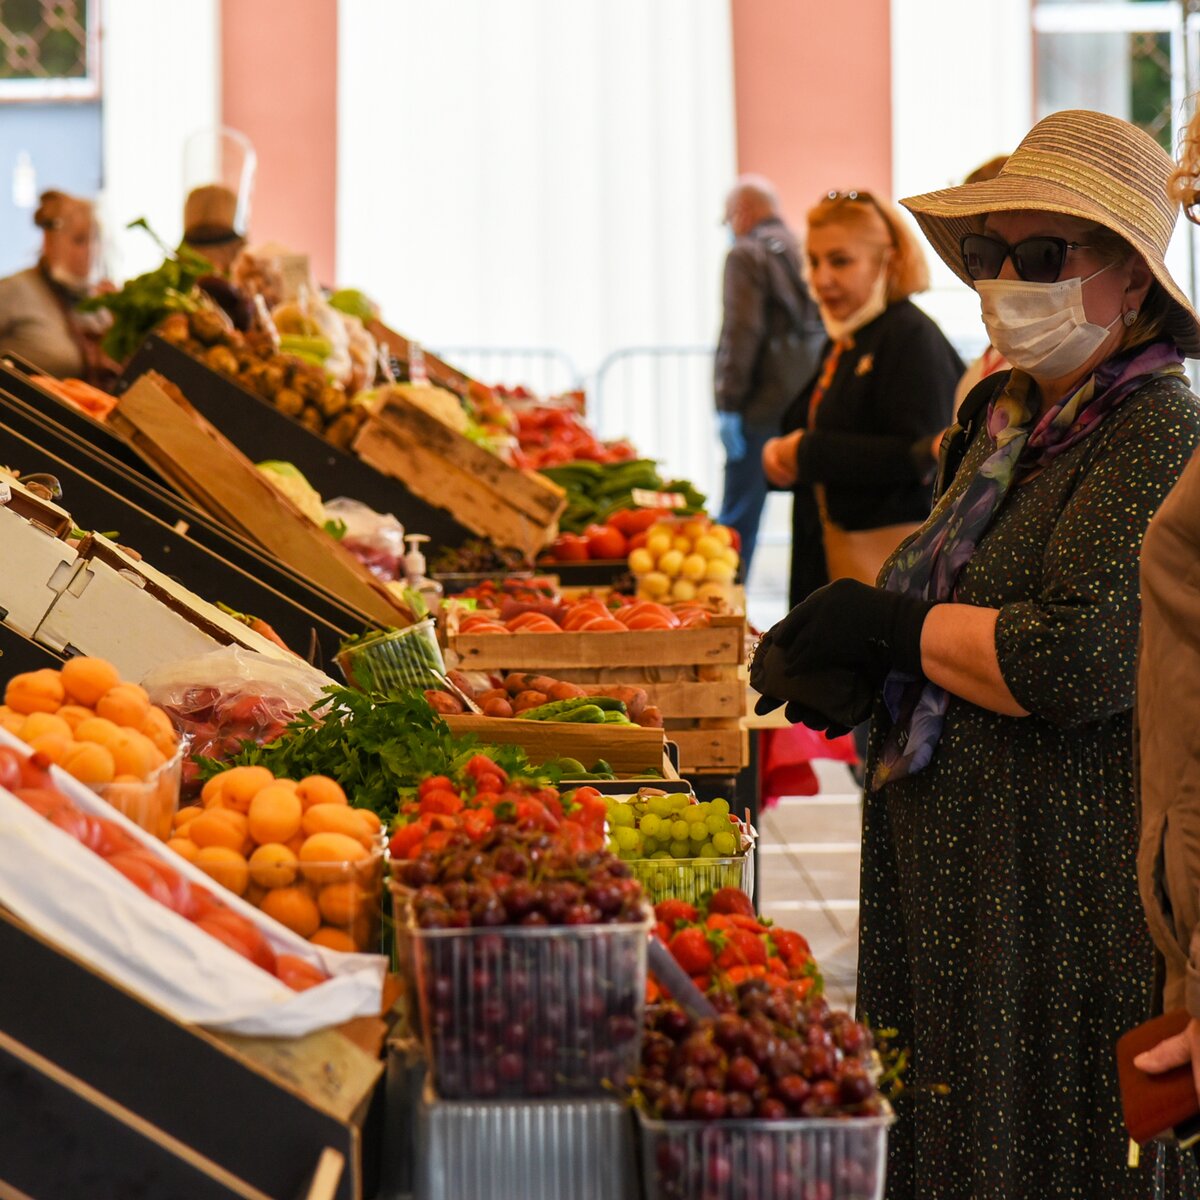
(39, 319)
(210, 225)
(856, 445)
(1001, 930)
(770, 341)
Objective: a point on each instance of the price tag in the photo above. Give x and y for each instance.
(647, 499)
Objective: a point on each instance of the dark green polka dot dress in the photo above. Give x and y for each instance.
(1001, 930)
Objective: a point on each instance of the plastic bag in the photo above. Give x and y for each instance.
(219, 700)
(375, 539)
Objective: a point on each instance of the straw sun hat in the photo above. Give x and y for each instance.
(1080, 164)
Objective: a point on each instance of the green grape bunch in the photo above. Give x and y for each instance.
(673, 826)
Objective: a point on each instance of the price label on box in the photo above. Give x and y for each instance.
(646, 499)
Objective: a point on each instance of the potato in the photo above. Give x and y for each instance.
(444, 703)
(497, 707)
(529, 700)
(517, 683)
(566, 691)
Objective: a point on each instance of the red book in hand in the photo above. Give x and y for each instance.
(1156, 1104)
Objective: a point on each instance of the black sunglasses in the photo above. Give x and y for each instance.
(1036, 259)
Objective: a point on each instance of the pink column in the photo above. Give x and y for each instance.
(279, 87)
(812, 88)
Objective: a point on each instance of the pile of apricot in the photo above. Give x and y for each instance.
(103, 731)
(296, 850)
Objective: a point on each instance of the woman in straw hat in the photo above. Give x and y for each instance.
(1001, 932)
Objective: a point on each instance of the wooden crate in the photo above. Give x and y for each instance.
(204, 466)
(511, 507)
(695, 676)
(628, 749)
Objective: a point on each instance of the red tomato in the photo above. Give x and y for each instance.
(638, 540)
(10, 768)
(142, 874)
(35, 771)
(43, 800)
(239, 935)
(605, 541)
(570, 547)
(297, 973)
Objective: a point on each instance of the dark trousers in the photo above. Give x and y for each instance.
(746, 492)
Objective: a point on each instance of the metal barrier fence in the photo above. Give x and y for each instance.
(545, 372)
(660, 397)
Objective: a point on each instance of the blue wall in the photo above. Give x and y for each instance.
(64, 142)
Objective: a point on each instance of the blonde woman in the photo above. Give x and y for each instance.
(856, 446)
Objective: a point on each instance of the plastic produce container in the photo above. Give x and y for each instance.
(530, 1011)
(150, 804)
(816, 1159)
(400, 660)
(691, 879)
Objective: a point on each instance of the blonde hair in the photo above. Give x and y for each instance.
(54, 207)
(878, 223)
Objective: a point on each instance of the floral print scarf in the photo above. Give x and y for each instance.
(930, 564)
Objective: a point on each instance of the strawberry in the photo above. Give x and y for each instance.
(792, 947)
(692, 951)
(742, 947)
(750, 923)
(673, 912)
(731, 900)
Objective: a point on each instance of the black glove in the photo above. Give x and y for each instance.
(831, 699)
(856, 627)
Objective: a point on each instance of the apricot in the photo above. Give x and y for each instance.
(324, 857)
(156, 725)
(374, 824)
(73, 714)
(240, 785)
(55, 746)
(218, 827)
(212, 791)
(39, 723)
(137, 755)
(293, 907)
(320, 789)
(334, 939)
(224, 865)
(274, 814)
(85, 679)
(273, 865)
(340, 903)
(184, 815)
(336, 818)
(125, 704)
(184, 847)
(35, 691)
(100, 731)
(12, 721)
(90, 763)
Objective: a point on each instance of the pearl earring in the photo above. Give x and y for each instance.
(1130, 317)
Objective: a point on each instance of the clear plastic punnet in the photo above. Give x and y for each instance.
(530, 1012)
(827, 1157)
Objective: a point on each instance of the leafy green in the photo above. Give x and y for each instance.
(377, 749)
(143, 302)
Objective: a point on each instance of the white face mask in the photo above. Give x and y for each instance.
(841, 328)
(1041, 328)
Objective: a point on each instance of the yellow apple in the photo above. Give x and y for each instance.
(693, 567)
(709, 547)
(719, 571)
(683, 589)
(655, 584)
(658, 545)
(722, 534)
(641, 561)
(682, 544)
(670, 563)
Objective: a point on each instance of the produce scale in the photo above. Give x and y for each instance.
(374, 817)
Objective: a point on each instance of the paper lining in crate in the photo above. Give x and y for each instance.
(76, 900)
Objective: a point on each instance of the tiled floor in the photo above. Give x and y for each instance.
(809, 857)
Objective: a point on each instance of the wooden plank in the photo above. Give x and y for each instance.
(470, 499)
(725, 749)
(439, 372)
(206, 467)
(526, 491)
(628, 749)
(722, 642)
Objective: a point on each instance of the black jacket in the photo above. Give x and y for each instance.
(892, 391)
(771, 333)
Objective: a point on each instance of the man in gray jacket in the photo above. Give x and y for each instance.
(770, 344)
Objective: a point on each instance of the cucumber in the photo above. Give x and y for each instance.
(589, 714)
(555, 710)
(616, 718)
